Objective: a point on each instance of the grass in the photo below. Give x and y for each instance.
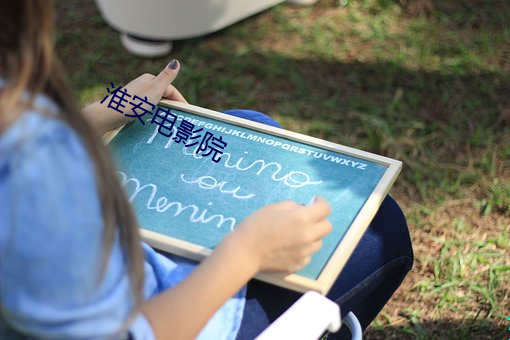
(432, 91)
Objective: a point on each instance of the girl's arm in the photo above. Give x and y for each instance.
(280, 237)
(104, 119)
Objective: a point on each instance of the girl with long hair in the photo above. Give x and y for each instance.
(72, 264)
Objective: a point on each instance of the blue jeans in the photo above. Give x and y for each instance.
(373, 273)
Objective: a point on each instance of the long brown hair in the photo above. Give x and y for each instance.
(28, 63)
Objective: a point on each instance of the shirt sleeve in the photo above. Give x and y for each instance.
(141, 329)
(50, 247)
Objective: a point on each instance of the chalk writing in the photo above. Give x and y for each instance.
(293, 179)
(184, 132)
(209, 182)
(163, 204)
(267, 141)
(177, 192)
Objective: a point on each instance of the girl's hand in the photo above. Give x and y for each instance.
(157, 87)
(147, 85)
(282, 237)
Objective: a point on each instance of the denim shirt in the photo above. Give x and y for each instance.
(50, 244)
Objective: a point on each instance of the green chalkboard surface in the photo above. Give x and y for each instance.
(186, 202)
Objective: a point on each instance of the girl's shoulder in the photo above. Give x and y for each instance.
(36, 128)
(51, 234)
(47, 176)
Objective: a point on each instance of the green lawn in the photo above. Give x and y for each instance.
(431, 91)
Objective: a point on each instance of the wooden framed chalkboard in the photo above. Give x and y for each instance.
(186, 202)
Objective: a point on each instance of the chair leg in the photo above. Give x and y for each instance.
(144, 47)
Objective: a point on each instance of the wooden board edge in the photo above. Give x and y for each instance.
(279, 132)
(108, 136)
(175, 246)
(293, 282)
(338, 259)
(192, 251)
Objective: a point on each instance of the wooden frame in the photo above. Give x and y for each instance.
(349, 241)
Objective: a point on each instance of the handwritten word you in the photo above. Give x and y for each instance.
(209, 183)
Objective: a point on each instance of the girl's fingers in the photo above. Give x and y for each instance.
(318, 210)
(304, 262)
(297, 265)
(167, 75)
(312, 248)
(172, 93)
(323, 228)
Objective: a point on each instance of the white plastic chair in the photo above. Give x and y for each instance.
(308, 318)
(148, 27)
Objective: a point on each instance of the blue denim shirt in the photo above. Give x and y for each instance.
(51, 238)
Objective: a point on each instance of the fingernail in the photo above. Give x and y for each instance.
(173, 64)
